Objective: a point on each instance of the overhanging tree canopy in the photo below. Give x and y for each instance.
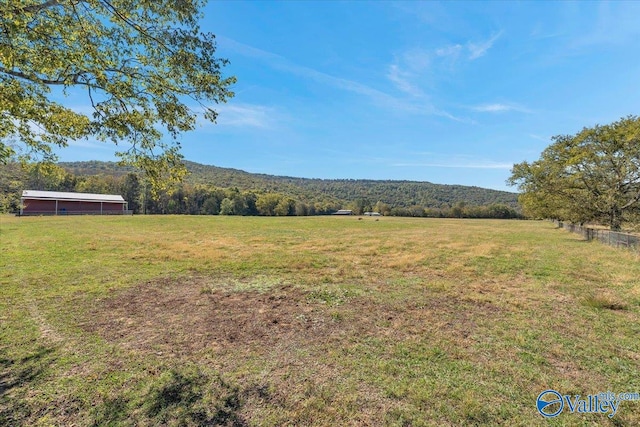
(144, 65)
(591, 176)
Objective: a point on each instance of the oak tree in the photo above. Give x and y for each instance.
(145, 70)
(591, 176)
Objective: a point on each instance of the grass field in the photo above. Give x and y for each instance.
(324, 321)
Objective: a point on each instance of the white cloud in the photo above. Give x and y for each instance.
(91, 144)
(379, 97)
(402, 81)
(499, 108)
(540, 138)
(471, 50)
(246, 115)
(492, 108)
(453, 50)
(616, 23)
(538, 32)
(416, 59)
(478, 49)
(407, 69)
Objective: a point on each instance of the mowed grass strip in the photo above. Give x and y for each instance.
(176, 320)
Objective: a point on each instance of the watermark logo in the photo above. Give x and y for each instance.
(551, 403)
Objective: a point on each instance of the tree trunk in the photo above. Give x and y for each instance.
(615, 221)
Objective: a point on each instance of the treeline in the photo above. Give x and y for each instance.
(182, 198)
(207, 199)
(403, 194)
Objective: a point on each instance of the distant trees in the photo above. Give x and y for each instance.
(227, 207)
(593, 176)
(458, 210)
(206, 199)
(360, 206)
(286, 207)
(497, 211)
(131, 191)
(267, 203)
(382, 208)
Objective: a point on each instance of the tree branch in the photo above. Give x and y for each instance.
(37, 7)
(135, 26)
(631, 202)
(63, 80)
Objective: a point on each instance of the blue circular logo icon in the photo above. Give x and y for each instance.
(550, 403)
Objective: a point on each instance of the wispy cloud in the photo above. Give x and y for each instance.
(246, 115)
(407, 69)
(92, 144)
(491, 108)
(538, 32)
(377, 96)
(451, 50)
(416, 59)
(472, 49)
(546, 139)
(478, 49)
(499, 108)
(616, 22)
(401, 79)
(583, 29)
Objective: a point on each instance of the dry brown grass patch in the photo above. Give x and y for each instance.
(181, 318)
(184, 318)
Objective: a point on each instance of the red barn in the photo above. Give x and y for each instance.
(59, 203)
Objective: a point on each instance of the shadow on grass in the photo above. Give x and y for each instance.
(21, 375)
(604, 303)
(192, 394)
(24, 371)
(177, 397)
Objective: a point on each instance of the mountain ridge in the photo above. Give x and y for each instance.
(401, 193)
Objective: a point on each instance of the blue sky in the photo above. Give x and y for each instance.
(446, 92)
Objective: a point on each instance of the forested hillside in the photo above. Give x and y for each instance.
(206, 188)
(394, 193)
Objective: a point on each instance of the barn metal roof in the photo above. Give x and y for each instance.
(82, 197)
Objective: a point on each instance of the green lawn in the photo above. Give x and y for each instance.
(243, 321)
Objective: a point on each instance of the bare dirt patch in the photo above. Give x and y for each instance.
(183, 317)
(289, 349)
(284, 330)
(180, 318)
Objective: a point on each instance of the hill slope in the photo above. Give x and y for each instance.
(395, 193)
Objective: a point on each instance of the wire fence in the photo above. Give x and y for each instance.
(611, 238)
